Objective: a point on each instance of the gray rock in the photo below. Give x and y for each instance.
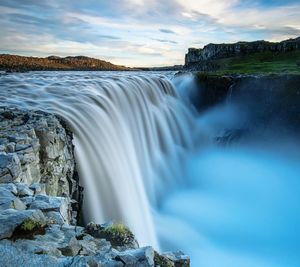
(72, 249)
(58, 204)
(11, 187)
(11, 147)
(23, 190)
(27, 200)
(36, 147)
(137, 257)
(178, 258)
(10, 219)
(8, 200)
(38, 188)
(11, 256)
(54, 217)
(10, 168)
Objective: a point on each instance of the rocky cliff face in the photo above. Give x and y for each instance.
(36, 149)
(263, 104)
(40, 198)
(217, 51)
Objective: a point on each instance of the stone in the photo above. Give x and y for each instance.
(10, 163)
(36, 147)
(9, 187)
(11, 147)
(46, 203)
(54, 217)
(8, 200)
(72, 249)
(27, 200)
(143, 256)
(11, 256)
(38, 188)
(11, 218)
(117, 234)
(178, 258)
(23, 190)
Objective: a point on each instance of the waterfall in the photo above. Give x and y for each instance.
(148, 159)
(130, 135)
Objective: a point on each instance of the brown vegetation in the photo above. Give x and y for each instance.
(21, 63)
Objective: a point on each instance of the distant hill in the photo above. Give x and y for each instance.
(22, 63)
(246, 57)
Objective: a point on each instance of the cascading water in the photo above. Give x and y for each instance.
(146, 158)
(129, 134)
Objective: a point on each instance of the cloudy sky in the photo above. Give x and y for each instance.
(140, 32)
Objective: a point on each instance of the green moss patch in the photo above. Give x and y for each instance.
(118, 234)
(260, 63)
(28, 229)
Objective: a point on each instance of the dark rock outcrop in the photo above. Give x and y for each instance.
(202, 59)
(262, 104)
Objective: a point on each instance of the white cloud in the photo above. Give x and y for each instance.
(137, 32)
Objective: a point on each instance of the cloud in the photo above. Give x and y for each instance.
(133, 32)
(167, 31)
(165, 41)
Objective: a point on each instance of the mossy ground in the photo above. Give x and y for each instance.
(118, 229)
(261, 63)
(28, 229)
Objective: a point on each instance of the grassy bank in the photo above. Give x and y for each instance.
(261, 63)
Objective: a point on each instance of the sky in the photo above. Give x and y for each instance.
(140, 32)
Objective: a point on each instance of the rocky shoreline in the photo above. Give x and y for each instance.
(40, 203)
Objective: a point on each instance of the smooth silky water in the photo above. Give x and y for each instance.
(148, 159)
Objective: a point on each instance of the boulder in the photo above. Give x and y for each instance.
(137, 257)
(47, 204)
(9, 201)
(10, 219)
(178, 258)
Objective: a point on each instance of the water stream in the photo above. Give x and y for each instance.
(148, 159)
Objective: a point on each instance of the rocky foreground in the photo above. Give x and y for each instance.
(40, 203)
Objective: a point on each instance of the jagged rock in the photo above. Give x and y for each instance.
(10, 187)
(10, 168)
(162, 261)
(11, 218)
(9, 201)
(117, 234)
(178, 258)
(38, 188)
(57, 204)
(72, 249)
(11, 256)
(23, 190)
(36, 147)
(140, 257)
